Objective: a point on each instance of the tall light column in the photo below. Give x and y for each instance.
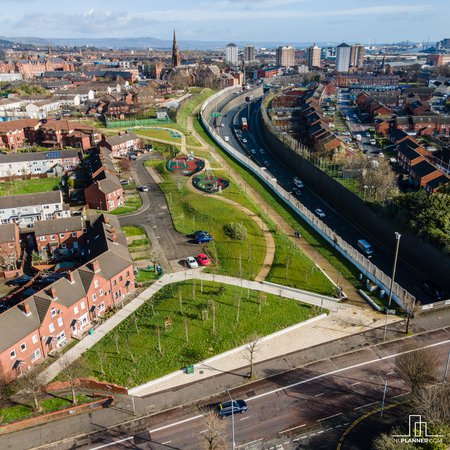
(232, 418)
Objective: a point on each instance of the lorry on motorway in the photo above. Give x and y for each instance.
(365, 247)
(244, 123)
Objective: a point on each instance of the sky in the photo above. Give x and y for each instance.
(285, 21)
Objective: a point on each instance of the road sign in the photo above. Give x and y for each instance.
(216, 115)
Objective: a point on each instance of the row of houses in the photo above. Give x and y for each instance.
(17, 134)
(419, 164)
(66, 309)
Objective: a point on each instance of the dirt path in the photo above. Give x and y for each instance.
(309, 250)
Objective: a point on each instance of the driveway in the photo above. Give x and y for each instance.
(154, 216)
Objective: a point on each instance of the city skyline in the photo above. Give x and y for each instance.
(288, 20)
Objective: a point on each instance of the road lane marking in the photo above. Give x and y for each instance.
(343, 369)
(391, 373)
(354, 384)
(174, 424)
(363, 406)
(329, 417)
(318, 395)
(293, 428)
(400, 395)
(112, 443)
(167, 442)
(245, 418)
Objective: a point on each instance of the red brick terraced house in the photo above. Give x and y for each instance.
(61, 237)
(46, 321)
(121, 143)
(15, 134)
(10, 250)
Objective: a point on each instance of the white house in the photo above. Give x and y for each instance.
(29, 208)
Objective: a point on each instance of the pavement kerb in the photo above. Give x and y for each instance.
(233, 351)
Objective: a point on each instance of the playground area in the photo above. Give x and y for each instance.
(209, 183)
(185, 165)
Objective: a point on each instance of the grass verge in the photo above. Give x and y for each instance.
(132, 203)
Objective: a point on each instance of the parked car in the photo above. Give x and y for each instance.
(436, 292)
(199, 232)
(320, 213)
(203, 259)
(225, 409)
(226, 138)
(262, 151)
(203, 238)
(253, 151)
(297, 192)
(20, 281)
(143, 188)
(124, 182)
(191, 262)
(244, 141)
(298, 182)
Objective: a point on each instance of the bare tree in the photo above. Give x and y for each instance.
(74, 372)
(30, 383)
(416, 366)
(387, 441)
(154, 255)
(214, 438)
(434, 404)
(158, 334)
(250, 350)
(186, 331)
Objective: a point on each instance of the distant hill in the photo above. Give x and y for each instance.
(5, 43)
(147, 42)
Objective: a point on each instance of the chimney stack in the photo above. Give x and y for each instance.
(25, 307)
(71, 277)
(114, 237)
(95, 265)
(53, 293)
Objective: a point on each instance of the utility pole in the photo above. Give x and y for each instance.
(232, 419)
(391, 284)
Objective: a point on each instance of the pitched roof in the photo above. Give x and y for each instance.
(8, 232)
(437, 182)
(121, 138)
(39, 198)
(65, 224)
(423, 168)
(37, 156)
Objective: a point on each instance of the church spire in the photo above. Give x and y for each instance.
(175, 52)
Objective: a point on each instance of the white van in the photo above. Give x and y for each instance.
(226, 139)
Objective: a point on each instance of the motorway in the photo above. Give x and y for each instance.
(305, 402)
(406, 275)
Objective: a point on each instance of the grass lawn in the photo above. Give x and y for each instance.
(131, 230)
(132, 203)
(129, 355)
(293, 268)
(191, 211)
(186, 108)
(341, 264)
(139, 243)
(158, 133)
(21, 412)
(146, 275)
(18, 187)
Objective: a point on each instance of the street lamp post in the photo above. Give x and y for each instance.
(384, 394)
(232, 419)
(391, 284)
(446, 368)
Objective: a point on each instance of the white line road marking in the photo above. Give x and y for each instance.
(167, 442)
(176, 423)
(245, 418)
(363, 406)
(400, 395)
(204, 431)
(343, 369)
(354, 384)
(318, 395)
(293, 428)
(391, 373)
(320, 432)
(329, 417)
(112, 443)
(285, 442)
(338, 426)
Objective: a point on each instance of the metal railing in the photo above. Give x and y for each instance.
(400, 295)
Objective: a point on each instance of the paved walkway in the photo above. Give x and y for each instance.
(349, 320)
(308, 249)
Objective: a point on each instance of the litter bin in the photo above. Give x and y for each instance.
(190, 369)
(91, 331)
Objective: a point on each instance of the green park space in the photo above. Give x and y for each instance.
(132, 203)
(341, 264)
(132, 230)
(18, 412)
(192, 211)
(159, 133)
(206, 319)
(31, 186)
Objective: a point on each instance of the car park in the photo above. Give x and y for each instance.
(203, 259)
(226, 409)
(191, 262)
(320, 213)
(143, 188)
